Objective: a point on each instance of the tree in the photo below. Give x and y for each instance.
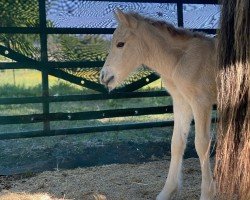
(20, 13)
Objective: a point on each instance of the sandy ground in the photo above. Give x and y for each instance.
(113, 182)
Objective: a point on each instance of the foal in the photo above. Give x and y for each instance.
(186, 63)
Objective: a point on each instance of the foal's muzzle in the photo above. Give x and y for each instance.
(106, 78)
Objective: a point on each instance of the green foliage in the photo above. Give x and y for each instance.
(79, 48)
(61, 88)
(25, 44)
(69, 47)
(9, 90)
(20, 13)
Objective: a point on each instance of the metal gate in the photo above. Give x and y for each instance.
(63, 70)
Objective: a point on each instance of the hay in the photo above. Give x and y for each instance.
(24, 196)
(112, 182)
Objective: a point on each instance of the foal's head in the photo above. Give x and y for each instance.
(132, 40)
(127, 51)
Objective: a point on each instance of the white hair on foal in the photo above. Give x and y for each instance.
(186, 63)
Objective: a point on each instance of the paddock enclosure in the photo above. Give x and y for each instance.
(54, 113)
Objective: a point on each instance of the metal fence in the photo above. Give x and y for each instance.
(54, 68)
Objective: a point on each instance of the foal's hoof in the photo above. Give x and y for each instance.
(209, 193)
(208, 197)
(163, 196)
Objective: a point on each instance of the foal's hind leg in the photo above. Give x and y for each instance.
(182, 119)
(202, 117)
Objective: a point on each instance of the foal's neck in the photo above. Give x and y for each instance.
(164, 51)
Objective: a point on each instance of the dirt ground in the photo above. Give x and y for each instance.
(111, 182)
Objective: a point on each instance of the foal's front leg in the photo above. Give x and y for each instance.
(182, 119)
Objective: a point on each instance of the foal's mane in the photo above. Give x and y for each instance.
(164, 26)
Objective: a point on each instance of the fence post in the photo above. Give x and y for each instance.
(44, 61)
(180, 13)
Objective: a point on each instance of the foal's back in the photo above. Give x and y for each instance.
(196, 70)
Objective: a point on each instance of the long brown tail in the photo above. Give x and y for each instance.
(232, 169)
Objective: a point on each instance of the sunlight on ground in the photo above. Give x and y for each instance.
(26, 196)
(24, 77)
(40, 196)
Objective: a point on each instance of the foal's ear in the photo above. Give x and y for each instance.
(125, 19)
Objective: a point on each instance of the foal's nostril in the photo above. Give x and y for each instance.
(102, 75)
(110, 79)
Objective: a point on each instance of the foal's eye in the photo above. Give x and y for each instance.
(120, 44)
